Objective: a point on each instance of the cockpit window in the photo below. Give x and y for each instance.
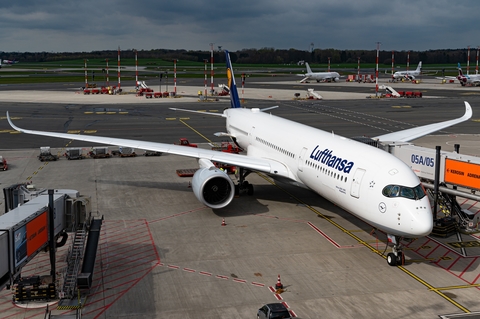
(416, 192)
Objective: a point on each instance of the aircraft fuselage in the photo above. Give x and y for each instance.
(346, 172)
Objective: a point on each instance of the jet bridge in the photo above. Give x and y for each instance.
(456, 175)
(26, 229)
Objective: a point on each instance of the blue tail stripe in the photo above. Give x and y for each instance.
(234, 100)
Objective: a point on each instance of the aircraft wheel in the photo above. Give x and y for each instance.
(245, 184)
(392, 259)
(237, 190)
(400, 259)
(249, 189)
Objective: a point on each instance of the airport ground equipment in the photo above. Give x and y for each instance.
(99, 152)
(227, 147)
(311, 94)
(390, 90)
(184, 142)
(74, 153)
(25, 230)
(152, 153)
(46, 155)
(3, 164)
(125, 152)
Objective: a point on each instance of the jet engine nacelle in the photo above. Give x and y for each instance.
(213, 187)
(336, 79)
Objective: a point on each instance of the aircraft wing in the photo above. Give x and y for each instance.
(253, 163)
(416, 132)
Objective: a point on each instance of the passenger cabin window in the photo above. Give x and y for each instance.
(415, 193)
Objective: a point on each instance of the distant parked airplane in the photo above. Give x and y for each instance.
(319, 76)
(464, 79)
(7, 62)
(408, 75)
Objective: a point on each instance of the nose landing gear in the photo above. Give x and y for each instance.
(396, 257)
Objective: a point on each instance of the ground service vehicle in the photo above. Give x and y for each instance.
(184, 142)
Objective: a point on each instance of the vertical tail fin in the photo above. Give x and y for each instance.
(308, 68)
(419, 67)
(460, 69)
(234, 100)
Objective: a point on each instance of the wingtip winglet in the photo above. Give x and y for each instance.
(16, 128)
(468, 111)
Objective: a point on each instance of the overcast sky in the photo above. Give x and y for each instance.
(90, 25)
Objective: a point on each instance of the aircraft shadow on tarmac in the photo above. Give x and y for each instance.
(285, 194)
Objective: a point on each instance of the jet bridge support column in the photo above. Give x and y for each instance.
(436, 181)
(456, 148)
(51, 234)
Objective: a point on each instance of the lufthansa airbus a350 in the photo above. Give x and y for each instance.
(366, 181)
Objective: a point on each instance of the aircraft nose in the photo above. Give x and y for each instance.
(422, 220)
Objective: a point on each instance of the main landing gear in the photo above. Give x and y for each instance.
(396, 257)
(243, 185)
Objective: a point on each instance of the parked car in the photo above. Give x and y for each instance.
(273, 311)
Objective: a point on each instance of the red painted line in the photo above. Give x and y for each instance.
(146, 251)
(173, 266)
(466, 268)
(438, 246)
(221, 277)
(161, 264)
(124, 272)
(278, 297)
(440, 259)
(420, 247)
(285, 304)
(323, 234)
(257, 284)
(271, 289)
(105, 282)
(113, 294)
(293, 314)
(453, 263)
(204, 273)
(446, 247)
(188, 270)
(476, 278)
(239, 280)
(152, 241)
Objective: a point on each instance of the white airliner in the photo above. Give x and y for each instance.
(464, 79)
(364, 180)
(319, 76)
(408, 75)
(7, 62)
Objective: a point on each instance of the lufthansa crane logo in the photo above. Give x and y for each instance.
(229, 77)
(382, 207)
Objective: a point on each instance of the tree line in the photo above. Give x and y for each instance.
(260, 56)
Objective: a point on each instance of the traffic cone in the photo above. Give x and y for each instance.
(223, 222)
(279, 283)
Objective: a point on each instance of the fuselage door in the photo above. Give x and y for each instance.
(301, 159)
(356, 182)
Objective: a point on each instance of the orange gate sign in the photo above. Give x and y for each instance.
(462, 173)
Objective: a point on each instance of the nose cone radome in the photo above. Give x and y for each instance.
(422, 220)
